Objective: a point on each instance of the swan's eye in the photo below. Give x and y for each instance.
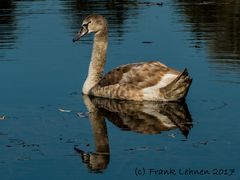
(86, 25)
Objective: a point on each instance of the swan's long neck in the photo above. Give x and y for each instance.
(98, 60)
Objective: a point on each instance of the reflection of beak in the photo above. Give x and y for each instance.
(83, 31)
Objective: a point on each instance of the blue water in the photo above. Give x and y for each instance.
(42, 71)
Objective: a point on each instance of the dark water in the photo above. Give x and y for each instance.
(46, 131)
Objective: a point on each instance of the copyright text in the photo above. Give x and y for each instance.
(184, 172)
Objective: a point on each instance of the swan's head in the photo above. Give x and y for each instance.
(92, 23)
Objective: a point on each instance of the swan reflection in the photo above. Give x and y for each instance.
(140, 117)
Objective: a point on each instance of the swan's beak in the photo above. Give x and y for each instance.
(83, 31)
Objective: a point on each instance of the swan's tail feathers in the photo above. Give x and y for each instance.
(177, 90)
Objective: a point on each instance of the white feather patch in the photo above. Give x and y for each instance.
(152, 92)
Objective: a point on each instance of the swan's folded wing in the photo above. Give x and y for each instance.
(141, 75)
(115, 75)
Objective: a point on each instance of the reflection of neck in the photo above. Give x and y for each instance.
(98, 126)
(97, 60)
(100, 158)
(99, 132)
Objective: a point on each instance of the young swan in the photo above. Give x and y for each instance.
(150, 81)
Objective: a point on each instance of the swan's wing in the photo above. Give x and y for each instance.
(115, 75)
(140, 75)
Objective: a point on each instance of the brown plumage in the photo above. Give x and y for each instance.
(151, 81)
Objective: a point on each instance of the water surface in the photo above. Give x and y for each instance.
(44, 116)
